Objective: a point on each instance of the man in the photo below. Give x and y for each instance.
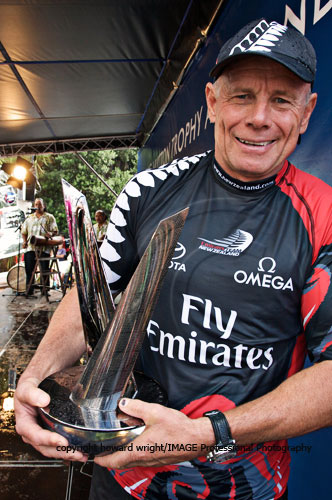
(39, 223)
(101, 226)
(227, 336)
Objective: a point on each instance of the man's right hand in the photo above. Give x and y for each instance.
(28, 397)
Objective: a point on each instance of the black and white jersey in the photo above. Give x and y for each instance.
(245, 296)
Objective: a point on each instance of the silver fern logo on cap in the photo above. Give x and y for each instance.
(261, 38)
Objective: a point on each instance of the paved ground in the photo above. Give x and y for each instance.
(25, 474)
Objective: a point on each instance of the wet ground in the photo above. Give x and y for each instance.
(26, 474)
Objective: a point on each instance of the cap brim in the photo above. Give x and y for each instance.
(294, 66)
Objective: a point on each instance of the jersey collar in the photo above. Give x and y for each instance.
(248, 187)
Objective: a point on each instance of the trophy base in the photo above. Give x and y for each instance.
(94, 432)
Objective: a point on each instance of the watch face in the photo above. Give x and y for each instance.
(223, 452)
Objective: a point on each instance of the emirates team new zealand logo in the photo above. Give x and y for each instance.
(234, 244)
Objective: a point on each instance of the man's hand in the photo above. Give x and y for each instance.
(27, 398)
(164, 428)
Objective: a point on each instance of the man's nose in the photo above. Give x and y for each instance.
(259, 114)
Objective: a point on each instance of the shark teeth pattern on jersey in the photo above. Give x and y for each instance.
(172, 169)
(147, 179)
(113, 254)
(113, 234)
(122, 201)
(183, 165)
(160, 174)
(133, 189)
(111, 276)
(117, 217)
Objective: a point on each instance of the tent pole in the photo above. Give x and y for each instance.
(96, 173)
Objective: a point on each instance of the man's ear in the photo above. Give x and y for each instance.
(310, 106)
(210, 94)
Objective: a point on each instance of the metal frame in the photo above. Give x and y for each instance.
(70, 145)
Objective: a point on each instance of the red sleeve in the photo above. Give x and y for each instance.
(312, 199)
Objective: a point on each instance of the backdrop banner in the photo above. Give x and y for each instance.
(184, 128)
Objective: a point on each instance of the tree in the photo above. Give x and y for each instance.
(116, 167)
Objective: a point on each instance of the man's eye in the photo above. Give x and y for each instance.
(281, 100)
(242, 96)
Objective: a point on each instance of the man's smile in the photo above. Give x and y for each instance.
(255, 143)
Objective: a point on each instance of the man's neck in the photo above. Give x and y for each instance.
(239, 185)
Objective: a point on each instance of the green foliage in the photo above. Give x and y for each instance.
(116, 167)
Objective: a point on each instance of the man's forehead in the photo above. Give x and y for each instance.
(255, 68)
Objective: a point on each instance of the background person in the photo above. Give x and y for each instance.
(229, 334)
(101, 226)
(61, 253)
(64, 262)
(39, 223)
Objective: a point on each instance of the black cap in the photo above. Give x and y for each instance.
(281, 43)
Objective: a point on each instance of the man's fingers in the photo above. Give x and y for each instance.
(140, 409)
(35, 435)
(28, 397)
(150, 413)
(27, 426)
(62, 453)
(36, 397)
(29, 394)
(113, 460)
(47, 442)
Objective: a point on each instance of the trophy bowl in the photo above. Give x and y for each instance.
(94, 431)
(84, 399)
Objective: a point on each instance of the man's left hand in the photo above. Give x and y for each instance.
(164, 429)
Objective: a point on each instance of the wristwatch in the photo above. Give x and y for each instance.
(225, 447)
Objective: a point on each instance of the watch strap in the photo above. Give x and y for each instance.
(220, 426)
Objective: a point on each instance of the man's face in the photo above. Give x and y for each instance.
(259, 108)
(100, 218)
(39, 205)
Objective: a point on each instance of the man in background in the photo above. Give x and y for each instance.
(101, 226)
(39, 223)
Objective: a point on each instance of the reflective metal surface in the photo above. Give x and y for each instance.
(95, 300)
(84, 399)
(110, 429)
(106, 376)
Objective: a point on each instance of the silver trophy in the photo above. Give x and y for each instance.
(84, 398)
